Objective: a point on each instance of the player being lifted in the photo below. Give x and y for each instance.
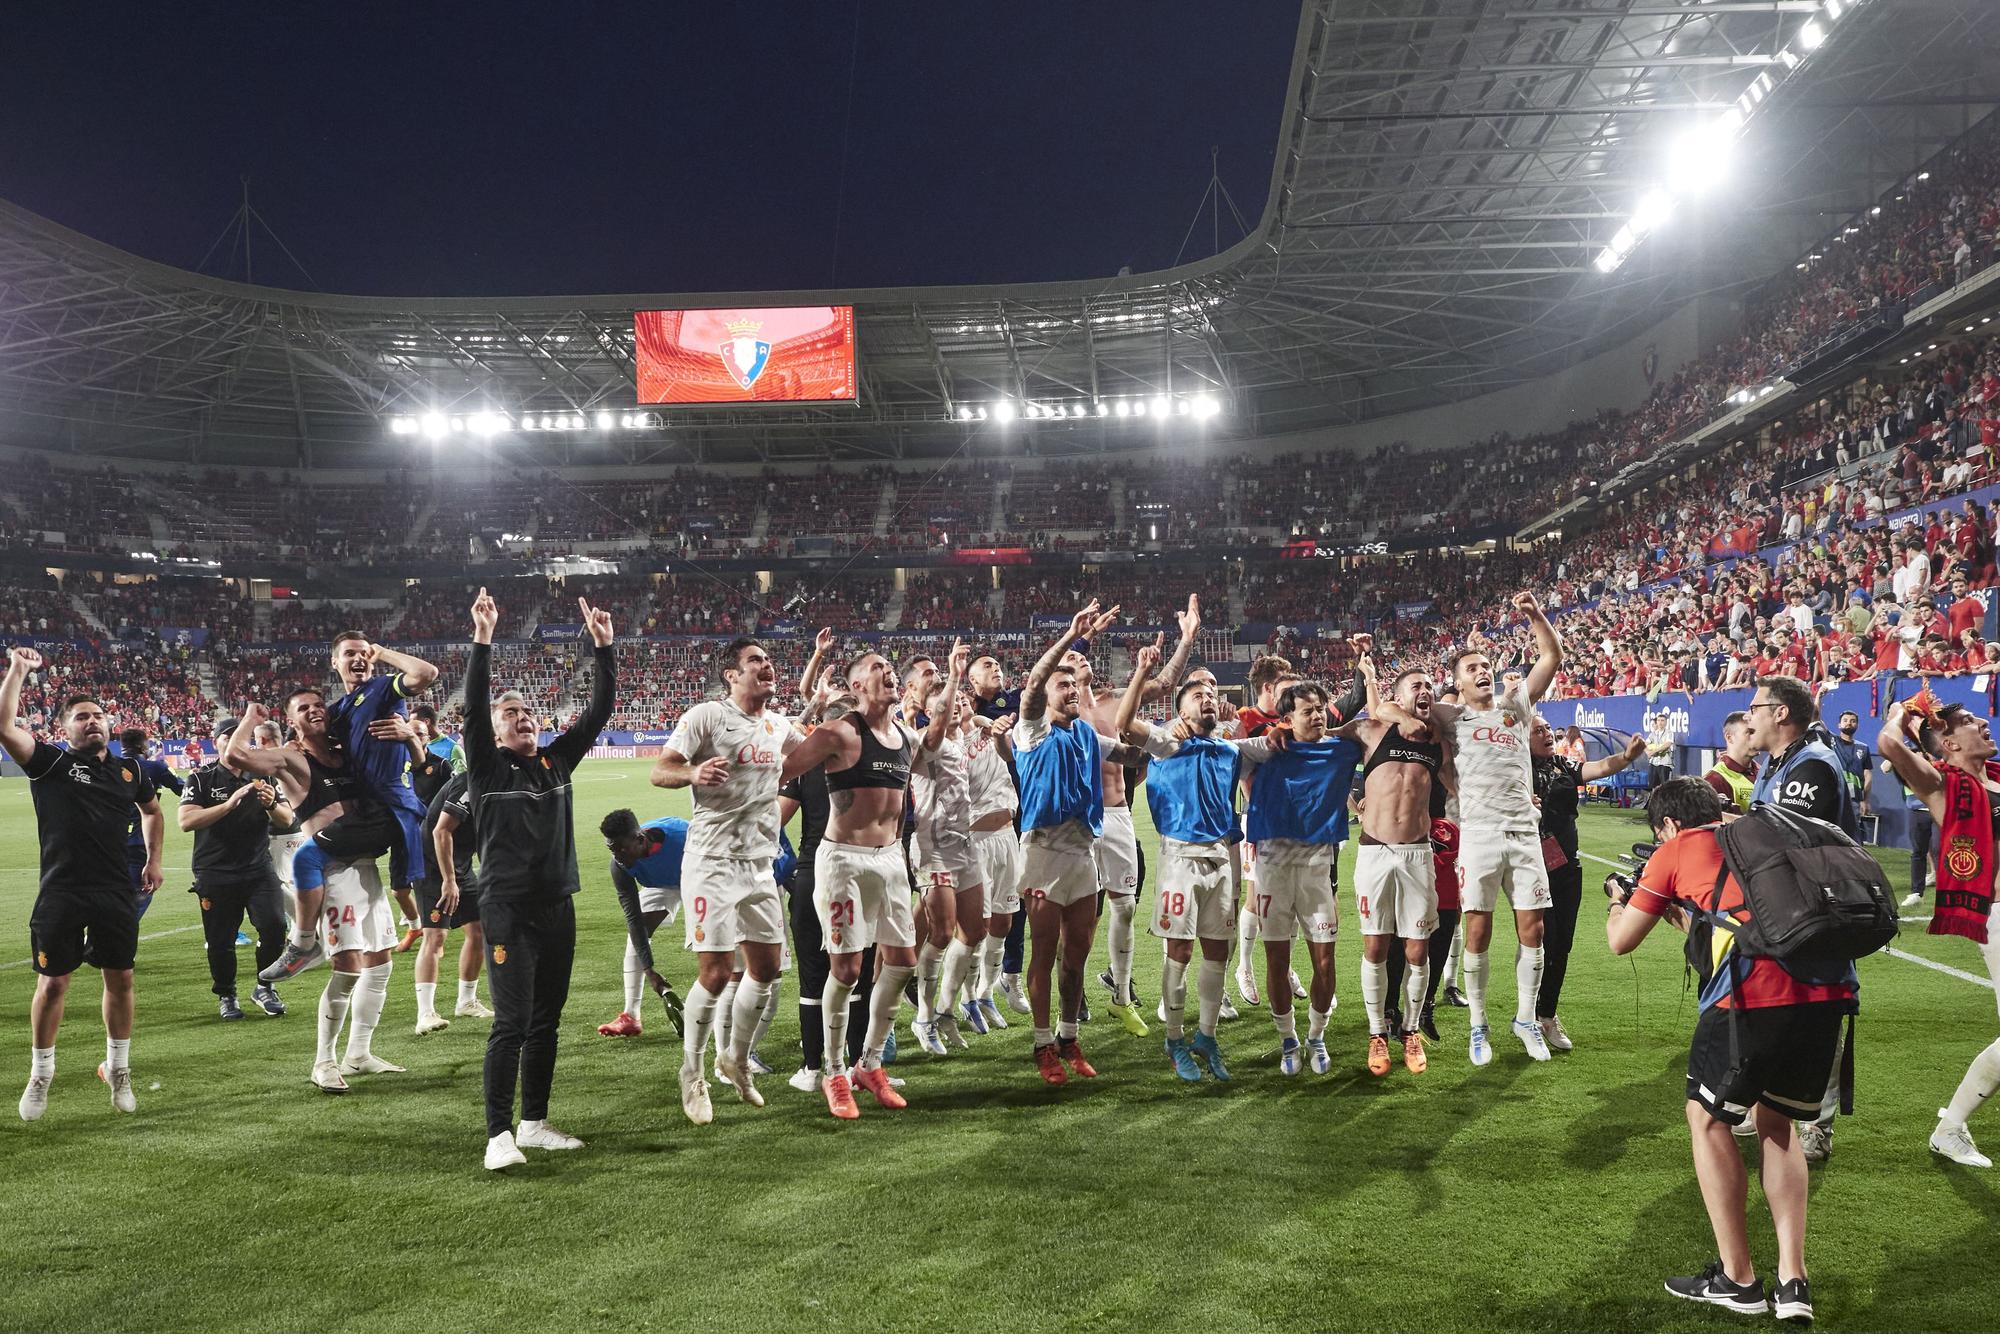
(861, 883)
(729, 751)
(1395, 872)
(1499, 831)
(1191, 791)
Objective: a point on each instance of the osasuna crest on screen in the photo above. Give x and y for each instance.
(745, 355)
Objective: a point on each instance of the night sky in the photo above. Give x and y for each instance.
(514, 148)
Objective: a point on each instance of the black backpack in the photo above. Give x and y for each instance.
(1814, 895)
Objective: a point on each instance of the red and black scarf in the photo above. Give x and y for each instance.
(1965, 856)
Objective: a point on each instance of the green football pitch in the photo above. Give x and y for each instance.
(1516, 1197)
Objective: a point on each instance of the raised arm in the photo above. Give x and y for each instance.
(815, 750)
(1360, 691)
(417, 674)
(1548, 646)
(934, 730)
(1190, 622)
(259, 761)
(1611, 764)
(1034, 695)
(1914, 769)
(581, 735)
(823, 643)
(479, 742)
(18, 740)
(1129, 725)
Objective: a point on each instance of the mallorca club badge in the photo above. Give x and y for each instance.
(1962, 858)
(745, 355)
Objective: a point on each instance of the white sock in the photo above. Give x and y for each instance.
(1173, 995)
(1288, 1025)
(725, 1015)
(305, 930)
(1118, 941)
(333, 1011)
(1208, 993)
(930, 962)
(1375, 995)
(989, 966)
(42, 1062)
(745, 1008)
(1318, 1019)
(833, 1001)
(957, 963)
(117, 1053)
(427, 999)
(1527, 982)
(370, 995)
(1246, 936)
(1982, 1077)
(1416, 985)
(697, 1017)
(468, 992)
(1452, 955)
(1066, 1030)
(768, 1012)
(883, 1002)
(1473, 968)
(635, 980)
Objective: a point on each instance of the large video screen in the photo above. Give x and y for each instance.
(771, 354)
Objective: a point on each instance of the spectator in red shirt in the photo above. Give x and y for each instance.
(1965, 612)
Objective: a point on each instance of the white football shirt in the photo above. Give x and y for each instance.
(1495, 772)
(738, 818)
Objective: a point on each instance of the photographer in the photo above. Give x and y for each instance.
(1764, 1047)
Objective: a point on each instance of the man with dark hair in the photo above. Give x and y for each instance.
(993, 703)
(84, 910)
(1268, 676)
(520, 800)
(1854, 759)
(1765, 1046)
(132, 744)
(232, 816)
(730, 751)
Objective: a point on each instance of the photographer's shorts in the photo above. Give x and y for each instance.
(1784, 1056)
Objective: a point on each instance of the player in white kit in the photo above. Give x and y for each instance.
(1499, 830)
(729, 751)
(954, 922)
(996, 849)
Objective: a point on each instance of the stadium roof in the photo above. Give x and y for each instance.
(1447, 172)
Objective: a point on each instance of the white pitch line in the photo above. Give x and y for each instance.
(1893, 953)
(156, 935)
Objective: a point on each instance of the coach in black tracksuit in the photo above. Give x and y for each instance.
(522, 808)
(233, 816)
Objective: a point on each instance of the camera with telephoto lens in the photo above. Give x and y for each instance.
(1619, 885)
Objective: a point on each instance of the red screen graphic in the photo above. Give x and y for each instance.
(773, 354)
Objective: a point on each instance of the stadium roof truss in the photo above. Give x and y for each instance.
(1445, 173)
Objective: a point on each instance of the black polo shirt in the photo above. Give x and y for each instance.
(83, 806)
(235, 850)
(464, 839)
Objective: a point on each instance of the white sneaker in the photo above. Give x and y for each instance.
(948, 1030)
(542, 1135)
(1298, 988)
(739, 1079)
(120, 1081)
(1321, 1060)
(1554, 1035)
(1531, 1038)
(431, 1023)
(1011, 990)
(1816, 1141)
(473, 1009)
(500, 1150)
(994, 1019)
(1478, 1049)
(1246, 986)
(694, 1098)
(760, 1066)
(326, 1076)
(1227, 1011)
(1911, 901)
(805, 1079)
(35, 1098)
(927, 1038)
(368, 1063)
(1948, 1140)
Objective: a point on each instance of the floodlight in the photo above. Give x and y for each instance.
(436, 427)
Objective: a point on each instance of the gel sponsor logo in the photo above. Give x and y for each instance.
(1498, 736)
(751, 753)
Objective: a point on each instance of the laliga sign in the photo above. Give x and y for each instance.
(1590, 717)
